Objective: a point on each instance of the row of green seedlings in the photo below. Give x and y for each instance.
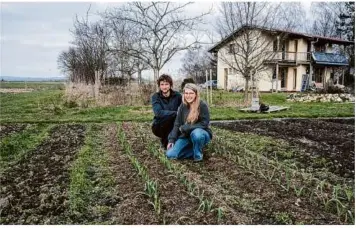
(339, 199)
(91, 180)
(205, 204)
(151, 187)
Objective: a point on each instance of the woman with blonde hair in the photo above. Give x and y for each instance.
(191, 130)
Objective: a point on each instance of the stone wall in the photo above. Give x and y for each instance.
(312, 97)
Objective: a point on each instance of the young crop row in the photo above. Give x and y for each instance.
(207, 203)
(92, 184)
(151, 186)
(338, 199)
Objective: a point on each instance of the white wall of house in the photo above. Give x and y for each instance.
(225, 60)
(265, 78)
(302, 45)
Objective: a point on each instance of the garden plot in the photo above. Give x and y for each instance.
(313, 158)
(325, 143)
(240, 191)
(116, 173)
(34, 190)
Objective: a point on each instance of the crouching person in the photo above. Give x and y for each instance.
(191, 130)
(165, 104)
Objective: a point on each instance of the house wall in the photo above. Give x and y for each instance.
(302, 45)
(265, 80)
(226, 61)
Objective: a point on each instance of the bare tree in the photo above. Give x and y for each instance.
(123, 37)
(325, 16)
(88, 58)
(196, 62)
(162, 29)
(91, 40)
(250, 26)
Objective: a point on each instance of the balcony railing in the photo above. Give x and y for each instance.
(291, 56)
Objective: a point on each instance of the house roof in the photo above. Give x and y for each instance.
(317, 38)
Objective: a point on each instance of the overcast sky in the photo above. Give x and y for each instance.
(33, 35)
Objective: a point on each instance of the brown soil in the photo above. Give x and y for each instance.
(258, 198)
(34, 191)
(9, 129)
(133, 207)
(329, 139)
(251, 197)
(178, 206)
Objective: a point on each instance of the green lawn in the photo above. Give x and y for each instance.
(32, 85)
(48, 106)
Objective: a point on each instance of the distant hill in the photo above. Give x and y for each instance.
(31, 79)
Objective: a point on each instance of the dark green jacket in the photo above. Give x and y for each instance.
(180, 122)
(165, 108)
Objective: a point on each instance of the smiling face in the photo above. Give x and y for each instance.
(165, 87)
(189, 95)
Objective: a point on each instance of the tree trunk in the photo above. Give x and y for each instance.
(139, 77)
(246, 90)
(155, 77)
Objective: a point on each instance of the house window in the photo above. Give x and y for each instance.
(318, 75)
(320, 48)
(283, 77)
(275, 45)
(274, 75)
(231, 48)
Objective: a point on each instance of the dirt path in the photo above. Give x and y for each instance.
(35, 191)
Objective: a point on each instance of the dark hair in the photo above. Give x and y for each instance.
(185, 81)
(165, 77)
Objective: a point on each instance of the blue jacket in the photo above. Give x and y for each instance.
(165, 108)
(182, 129)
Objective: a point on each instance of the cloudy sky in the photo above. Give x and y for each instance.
(34, 33)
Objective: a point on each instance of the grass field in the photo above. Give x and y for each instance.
(48, 105)
(32, 85)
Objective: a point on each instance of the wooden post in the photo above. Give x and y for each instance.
(211, 87)
(277, 74)
(343, 76)
(207, 88)
(324, 78)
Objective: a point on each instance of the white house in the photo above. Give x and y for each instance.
(293, 55)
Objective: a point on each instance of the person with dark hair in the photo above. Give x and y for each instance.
(165, 104)
(191, 130)
(185, 81)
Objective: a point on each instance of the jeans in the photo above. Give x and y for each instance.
(190, 147)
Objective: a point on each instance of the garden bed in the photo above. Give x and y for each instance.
(253, 172)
